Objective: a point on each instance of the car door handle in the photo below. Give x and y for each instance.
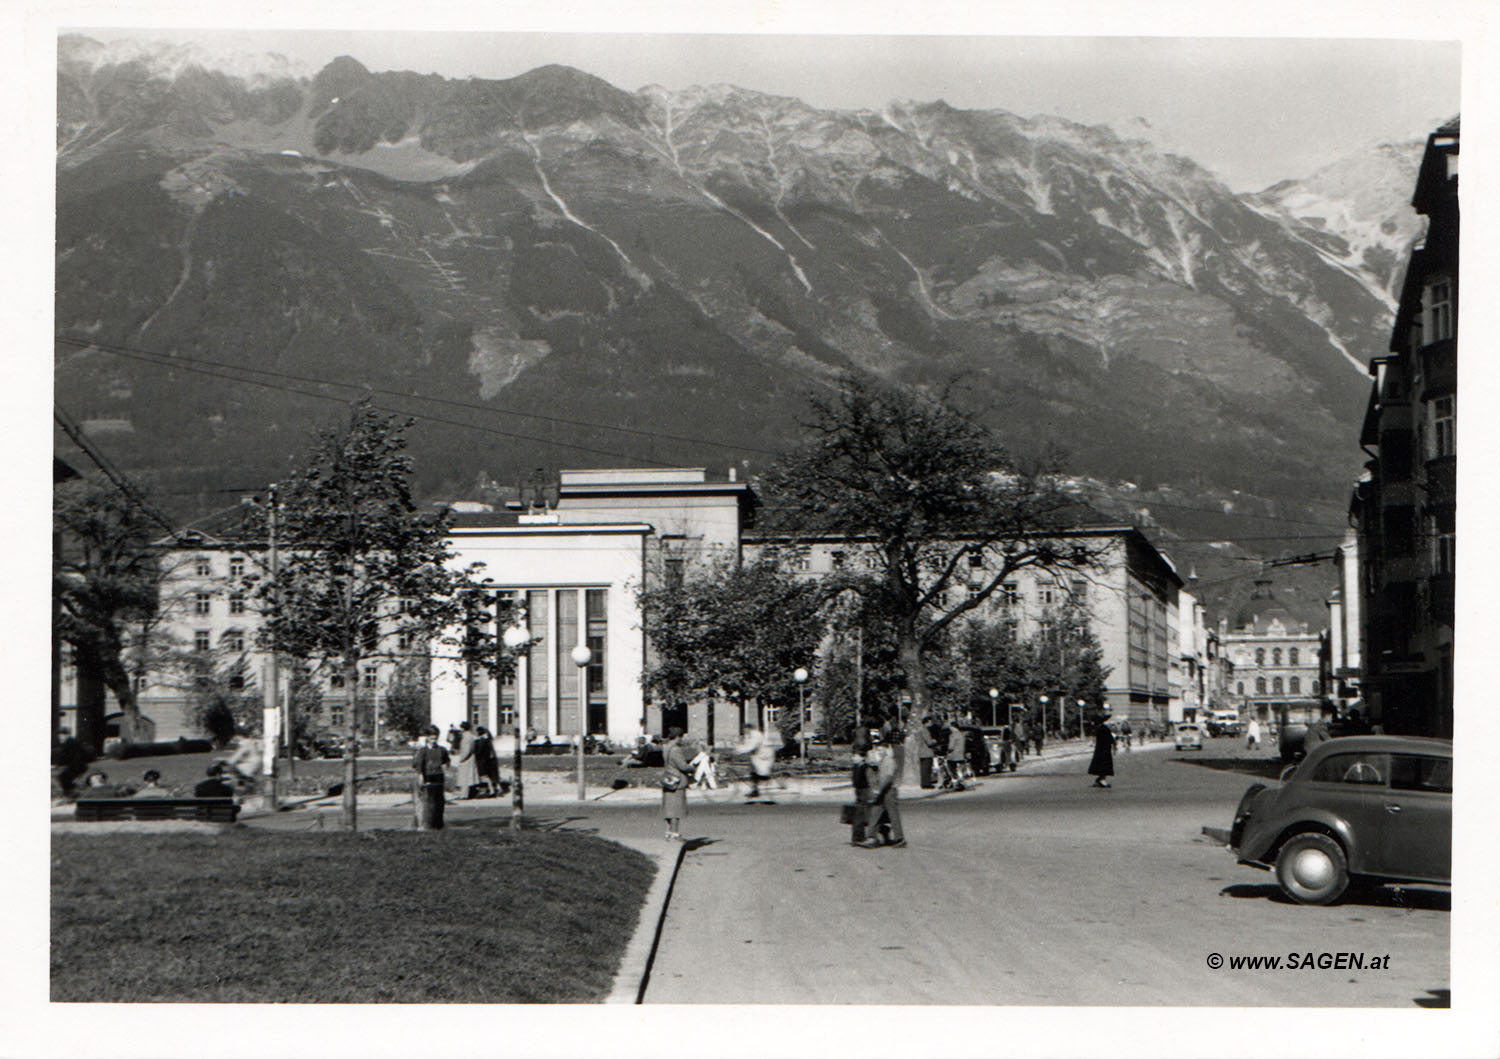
(1393, 808)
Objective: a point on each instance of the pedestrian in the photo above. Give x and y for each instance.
(1252, 734)
(676, 774)
(151, 786)
(924, 752)
(704, 767)
(427, 784)
(957, 766)
(1021, 736)
(884, 821)
(468, 764)
(486, 762)
(1125, 731)
(1036, 736)
(859, 750)
(1103, 764)
(762, 754)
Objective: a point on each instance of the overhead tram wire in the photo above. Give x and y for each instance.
(202, 364)
(116, 477)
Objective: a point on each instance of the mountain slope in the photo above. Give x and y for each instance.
(589, 276)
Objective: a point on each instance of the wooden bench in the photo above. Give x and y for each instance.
(212, 810)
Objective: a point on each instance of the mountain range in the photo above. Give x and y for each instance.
(551, 271)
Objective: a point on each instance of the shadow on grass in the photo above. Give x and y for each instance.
(1357, 896)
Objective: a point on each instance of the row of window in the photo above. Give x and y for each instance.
(1293, 656)
(203, 566)
(1293, 686)
(203, 603)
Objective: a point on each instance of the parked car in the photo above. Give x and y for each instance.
(1003, 756)
(1189, 737)
(1371, 808)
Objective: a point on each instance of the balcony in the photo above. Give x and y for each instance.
(1439, 368)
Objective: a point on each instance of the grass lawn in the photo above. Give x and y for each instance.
(454, 916)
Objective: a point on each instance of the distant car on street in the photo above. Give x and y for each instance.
(1189, 737)
(1371, 808)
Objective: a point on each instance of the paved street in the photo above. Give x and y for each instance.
(1036, 890)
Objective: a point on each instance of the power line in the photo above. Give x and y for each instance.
(117, 479)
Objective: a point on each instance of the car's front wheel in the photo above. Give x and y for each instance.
(1312, 869)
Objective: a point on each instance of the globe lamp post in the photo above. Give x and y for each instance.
(582, 656)
(800, 676)
(514, 638)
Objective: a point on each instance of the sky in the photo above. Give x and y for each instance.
(1253, 110)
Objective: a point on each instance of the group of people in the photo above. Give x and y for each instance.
(951, 753)
(472, 749)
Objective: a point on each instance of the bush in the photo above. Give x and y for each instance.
(124, 751)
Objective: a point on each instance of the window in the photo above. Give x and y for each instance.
(1442, 427)
(1437, 310)
(1292, 656)
(1046, 595)
(1276, 656)
(369, 676)
(673, 572)
(1294, 684)
(236, 566)
(1276, 688)
(872, 560)
(201, 566)
(201, 640)
(234, 640)
(1312, 687)
(836, 559)
(335, 680)
(336, 714)
(973, 591)
(1416, 772)
(237, 603)
(1365, 769)
(1010, 594)
(200, 602)
(1240, 690)
(1260, 685)
(1444, 558)
(1260, 656)
(236, 680)
(799, 563)
(403, 640)
(1079, 590)
(976, 560)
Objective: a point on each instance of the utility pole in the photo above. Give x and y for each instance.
(270, 727)
(859, 675)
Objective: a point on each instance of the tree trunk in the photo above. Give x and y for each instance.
(351, 743)
(909, 651)
(89, 700)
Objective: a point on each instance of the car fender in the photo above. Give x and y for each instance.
(1273, 834)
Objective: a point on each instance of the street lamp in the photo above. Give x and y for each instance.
(514, 637)
(1081, 705)
(1041, 717)
(994, 705)
(581, 658)
(800, 676)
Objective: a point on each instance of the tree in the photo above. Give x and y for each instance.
(106, 578)
(364, 571)
(946, 513)
(408, 702)
(733, 631)
(221, 701)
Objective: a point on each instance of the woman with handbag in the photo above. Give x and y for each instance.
(676, 774)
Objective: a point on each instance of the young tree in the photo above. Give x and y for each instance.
(408, 701)
(105, 579)
(737, 632)
(363, 568)
(948, 514)
(221, 701)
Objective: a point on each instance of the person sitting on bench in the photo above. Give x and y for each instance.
(214, 785)
(151, 786)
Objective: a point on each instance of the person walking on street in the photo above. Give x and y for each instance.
(859, 751)
(957, 766)
(1252, 734)
(1103, 764)
(468, 764)
(487, 762)
(705, 769)
(676, 775)
(884, 821)
(1036, 737)
(924, 752)
(762, 754)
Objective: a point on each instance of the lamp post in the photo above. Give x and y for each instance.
(994, 705)
(1081, 705)
(513, 638)
(800, 676)
(581, 657)
(1041, 717)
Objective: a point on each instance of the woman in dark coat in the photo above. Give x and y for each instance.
(860, 775)
(1103, 764)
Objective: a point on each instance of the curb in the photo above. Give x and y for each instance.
(634, 972)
